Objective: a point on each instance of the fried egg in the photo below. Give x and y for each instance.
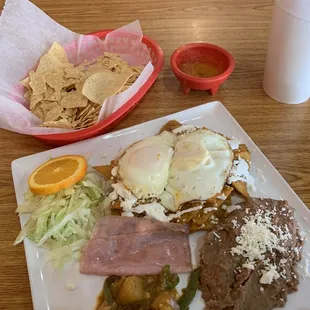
(199, 169)
(144, 166)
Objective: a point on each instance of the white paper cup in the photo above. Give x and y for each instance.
(287, 70)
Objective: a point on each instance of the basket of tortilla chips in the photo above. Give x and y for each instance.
(61, 86)
(72, 96)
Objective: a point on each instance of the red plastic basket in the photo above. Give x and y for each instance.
(105, 125)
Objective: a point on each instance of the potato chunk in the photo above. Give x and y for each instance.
(131, 291)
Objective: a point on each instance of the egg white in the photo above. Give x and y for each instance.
(199, 169)
(144, 167)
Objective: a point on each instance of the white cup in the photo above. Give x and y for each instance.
(287, 69)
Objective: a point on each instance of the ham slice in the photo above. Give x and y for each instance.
(136, 246)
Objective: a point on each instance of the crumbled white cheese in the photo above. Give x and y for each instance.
(71, 286)
(233, 208)
(249, 266)
(214, 219)
(127, 204)
(234, 144)
(240, 172)
(258, 237)
(184, 129)
(235, 224)
(126, 197)
(222, 197)
(269, 274)
(122, 191)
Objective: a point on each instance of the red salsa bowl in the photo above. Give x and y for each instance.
(201, 66)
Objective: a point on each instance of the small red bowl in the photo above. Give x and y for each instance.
(202, 53)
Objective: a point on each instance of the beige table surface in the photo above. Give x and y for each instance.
(281, 131)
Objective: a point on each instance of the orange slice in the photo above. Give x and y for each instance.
(57, 174)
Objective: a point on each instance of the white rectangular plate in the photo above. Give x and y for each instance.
(48, 286)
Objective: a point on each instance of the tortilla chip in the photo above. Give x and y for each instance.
(58, 51)
(25, 82)
(28, 95)
(241, 188)
(170, 126)
(100, 86)
(105, 170)
(62, 123)
(55, 79)
(74, 99)
(48, 105)
(66, 113)
(38, 112)
(74, 73)
(37, 83)
(217, 202)
(34, 100)
(49, 62)
(243, 153)
(52, 95)
(53, 114)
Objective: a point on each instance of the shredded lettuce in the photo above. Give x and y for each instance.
(64, 221)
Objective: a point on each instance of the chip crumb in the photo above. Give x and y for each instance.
(71, 286)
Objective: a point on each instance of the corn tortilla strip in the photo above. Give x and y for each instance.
(105, 170)
(34, 100)
(48, 105)
(52, 95)
(63, 123)
(55, 79)
(25, 82)
(100, 86)
(68, 84)
(67, 113)
(53, 114)
(37, 83)
(55, 58)
(241, 187)
(170, 126)
(74, 73)
(243, 153)
(58, 51)
(48, 63)
(74, 99)
(27, 95)
(38, 112)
